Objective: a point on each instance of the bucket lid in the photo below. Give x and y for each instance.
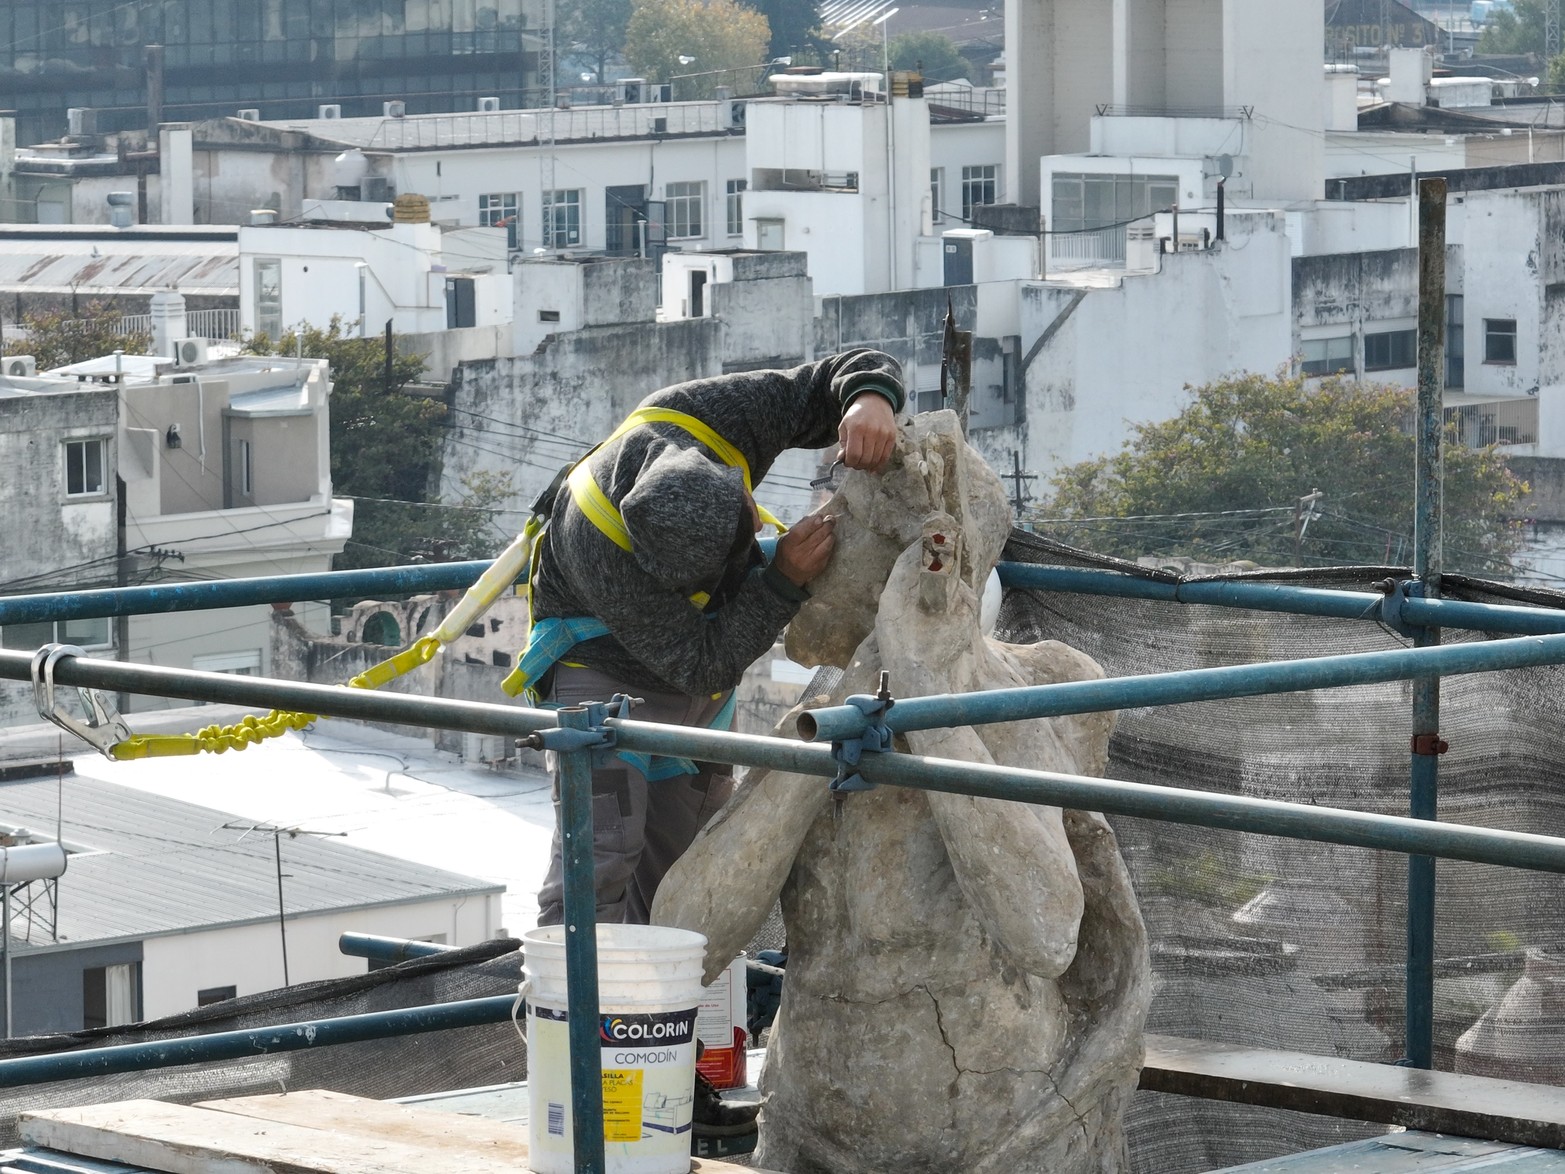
(655, 939)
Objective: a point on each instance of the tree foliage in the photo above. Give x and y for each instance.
(795, 28)
(1515, 30)
(385, 453)
(1224, 479)
(596, 28)
(57, 339)
(724, 43)
(937, 53)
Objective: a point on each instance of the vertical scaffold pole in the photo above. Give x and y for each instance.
(1424, 783)
(581, 949)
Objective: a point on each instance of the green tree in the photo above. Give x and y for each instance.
(385, 453)
(795, 26)
(57, 339)
(1224, 480)
(596, 27)
(937, 52)
(1514, 30)
(721, 41)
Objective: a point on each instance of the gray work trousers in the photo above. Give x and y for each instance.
(638, 828)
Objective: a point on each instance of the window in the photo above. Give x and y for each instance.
(269, 297)
(684, 201)
(1390, 350)
(497, 209)
(1082, 201)
(89, 633)
(979, 186)
(84, 468)
(111, 995)
(1327, 356)
(215, 994)
(937, 183)
(769, 234)
(562, 218)
(736, 207)
(1499, 340)
(244, 471)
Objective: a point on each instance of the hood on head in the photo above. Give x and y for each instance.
(683, 516)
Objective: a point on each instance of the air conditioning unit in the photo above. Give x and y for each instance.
(488, 105)
(660, 126)
(81, 120)
(376, 189)
(248, 114)
(331, 110)
(628, 89)
(394, 109)
(189, 351)
(661, 93)
(21, 366)
(736, 115)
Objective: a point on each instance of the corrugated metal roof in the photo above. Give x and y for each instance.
(159, 866)
(130, 266)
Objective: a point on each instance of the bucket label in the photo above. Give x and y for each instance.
(648, 1065)
(660, 1030)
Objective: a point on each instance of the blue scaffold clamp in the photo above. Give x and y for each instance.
(597, 737)
(876, 737)
(1395, 592)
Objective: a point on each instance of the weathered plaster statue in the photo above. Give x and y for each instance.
(967, 978)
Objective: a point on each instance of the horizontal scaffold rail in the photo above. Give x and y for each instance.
(837, 722)
(1237, 813)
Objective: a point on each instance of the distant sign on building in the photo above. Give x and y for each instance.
(1375, 24)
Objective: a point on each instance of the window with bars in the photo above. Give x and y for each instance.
(562, 218)
(84, 468)
(980, 185)
(497, 209)
(736, 188)
(683, 203)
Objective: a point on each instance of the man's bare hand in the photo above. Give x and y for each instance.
(868, 432)
(804, 551)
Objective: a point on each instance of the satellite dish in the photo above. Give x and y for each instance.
(1225, 165)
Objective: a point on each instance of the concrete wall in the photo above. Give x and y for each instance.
(71, 541)
(1107, 367)
(1271, 63)
(249, 957)
(1351, 293)
(46, 984)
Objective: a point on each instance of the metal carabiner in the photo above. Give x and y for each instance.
(103, 729)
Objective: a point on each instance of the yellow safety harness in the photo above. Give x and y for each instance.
(514, 562)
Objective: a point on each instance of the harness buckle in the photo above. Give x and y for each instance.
(104, 728)
(876, 738)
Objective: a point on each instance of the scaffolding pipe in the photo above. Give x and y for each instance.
(1266, 817)
(383, 949)
(412, 580)
(259, 1041)
(838, 722)
(581, 948)
(1270, 817)
(1428, 476)
(1284, 597)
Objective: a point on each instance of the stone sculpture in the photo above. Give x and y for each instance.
(967, 978)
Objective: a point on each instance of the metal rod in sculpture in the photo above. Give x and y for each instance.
(258, 1041)
(167, 597)
(581, 948)
(1424, 782)
(1285, 597)
(838, 722)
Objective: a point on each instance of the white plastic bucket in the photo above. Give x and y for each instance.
(649, 987)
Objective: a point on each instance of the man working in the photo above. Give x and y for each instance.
(651, 559)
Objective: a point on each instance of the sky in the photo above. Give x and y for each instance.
(390, 794)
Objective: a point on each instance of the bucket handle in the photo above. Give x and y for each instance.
(523, 989)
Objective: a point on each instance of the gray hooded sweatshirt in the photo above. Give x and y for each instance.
(690, 528)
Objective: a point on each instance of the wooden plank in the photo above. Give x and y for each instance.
(422, 1127)
(1437, 1102)
(181, 1139)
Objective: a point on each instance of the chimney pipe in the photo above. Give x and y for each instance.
(154, 60)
